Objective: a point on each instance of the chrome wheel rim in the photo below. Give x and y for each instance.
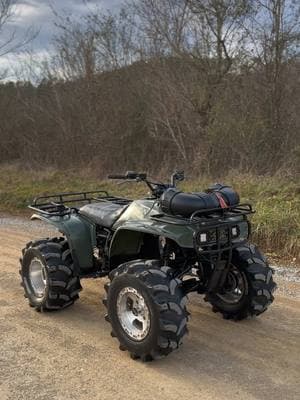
(235, 286)
(133, 313)
(37, 277)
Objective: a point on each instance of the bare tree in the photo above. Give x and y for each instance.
(10, 41)
(164, 24)
(275, 51)
(75, 50)
(224, 27)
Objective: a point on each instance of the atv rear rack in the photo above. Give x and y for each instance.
(60, 204)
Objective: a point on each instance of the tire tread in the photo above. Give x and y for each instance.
(171, 304)
(64, 284)
(260, 282)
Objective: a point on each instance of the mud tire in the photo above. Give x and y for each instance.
(260, 285)
(62, 283)
(165, 300)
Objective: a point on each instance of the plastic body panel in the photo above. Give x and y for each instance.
(128, 232)
(80, 233)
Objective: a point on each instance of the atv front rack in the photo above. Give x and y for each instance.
(206, 216)
(60, 204)
(213, 239)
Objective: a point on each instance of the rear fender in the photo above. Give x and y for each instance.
(80, 233)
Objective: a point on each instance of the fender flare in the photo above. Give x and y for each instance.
(129, 236)
(80, 233)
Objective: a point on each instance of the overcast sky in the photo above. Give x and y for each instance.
(38, 14)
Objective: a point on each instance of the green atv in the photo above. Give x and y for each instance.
(155, 251)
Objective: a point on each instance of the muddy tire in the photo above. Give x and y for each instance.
(48, 275)
(249, 288)
(146, 309)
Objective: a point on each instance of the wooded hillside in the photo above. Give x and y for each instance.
(205, 85)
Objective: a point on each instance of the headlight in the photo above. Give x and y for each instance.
(202, 237)
(235, 232)
(243, 230)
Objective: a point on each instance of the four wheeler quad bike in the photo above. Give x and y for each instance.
(155, 251)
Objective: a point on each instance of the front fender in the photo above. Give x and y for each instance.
(80, 233)
(127, 237)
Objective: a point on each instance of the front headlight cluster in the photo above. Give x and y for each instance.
(239, 231)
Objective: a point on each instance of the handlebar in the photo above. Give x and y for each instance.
(157, 188)
(117, 177)
(130, 175)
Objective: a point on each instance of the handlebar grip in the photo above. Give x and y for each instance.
(116, 177)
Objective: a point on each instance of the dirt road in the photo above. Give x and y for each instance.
(70, 355)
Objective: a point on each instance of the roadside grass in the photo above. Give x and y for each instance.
(276, 224)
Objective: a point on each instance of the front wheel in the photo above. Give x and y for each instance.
(146, 309)
(249, 287)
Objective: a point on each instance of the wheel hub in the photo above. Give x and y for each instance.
(133, 313)
(235, 286)
(37, 277)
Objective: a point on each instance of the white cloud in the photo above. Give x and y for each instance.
(28, 11)
(38, 14)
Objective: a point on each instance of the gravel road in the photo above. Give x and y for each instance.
(70, 355)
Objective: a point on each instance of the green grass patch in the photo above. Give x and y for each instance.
(276, 224)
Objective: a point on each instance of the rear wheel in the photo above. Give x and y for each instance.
(146, 309)
(249, 287)
(48, 276)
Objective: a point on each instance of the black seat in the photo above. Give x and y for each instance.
(104, 214)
